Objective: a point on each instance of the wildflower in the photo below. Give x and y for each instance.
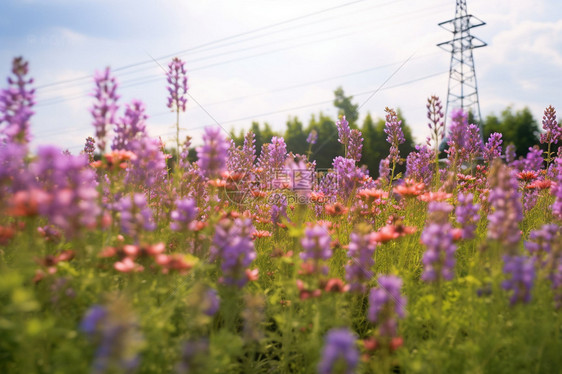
(436, 124)
(90, 148)
(212, 155)
(15, 105)
(316, 244)
(234, 248)
(493, 147)
(115, 332)
(505, 201)
(131, 127)
(410, 188)
(261, 234)
(127, 265)
(136, 216)
(553, 132)
(457, 136)
(148, 167)
(391, 232)
(394, 133)
(467, 214)
(386, 303)
(358, 270)
(419, 164)
(177, 80)
(186, 212)
(336, 209)
(438, 237)
(557, 192)
(522, 271)
(435, 196)
(355, 145)
(312, 137)
(348, 176)
(105, 106)
(540, 241)
(344, 132)
(340, 352)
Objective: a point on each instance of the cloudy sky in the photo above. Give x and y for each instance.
(264, 60)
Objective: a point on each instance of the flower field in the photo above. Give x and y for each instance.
(130, 258)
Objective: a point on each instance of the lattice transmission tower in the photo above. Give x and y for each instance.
(463, 90)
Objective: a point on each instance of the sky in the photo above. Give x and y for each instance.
(266, 60)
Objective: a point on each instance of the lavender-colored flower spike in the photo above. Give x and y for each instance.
(344, 132)
(541, 240)
(355, 145)
(419, 164)
(522, 271)
(15, 105)
(316, 244)
(473, 143)
(395, 136)
(505, 202)
(510, 154)
(105, 106)
(136, 215)
(358, 270)
(467, 214)
(90, 148)
(212, 155)
(439, 258)
(457, 136)
(386, 303)
(553, 132)
(186, 211)
(339, 347)
(493, 148)
(233, 246)
(312, 137)
(177, 81)
(436, 124)
(557, 191)
(278, 152)
(131, 127)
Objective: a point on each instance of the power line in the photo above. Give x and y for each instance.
(145, 62)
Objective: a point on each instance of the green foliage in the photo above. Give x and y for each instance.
(519, 129)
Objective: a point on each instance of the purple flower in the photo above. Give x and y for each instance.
(278, 152)
(358, 270)
(386, 303)
(116, 335)
(194, 356)
(510, 154)
(436, 124)
(344, 132)
(395, 136)
(505, 203)
(541, 240)
(533, 160)
(105, 106)
(136, 215)
(439, 258)
(177, 80)
(90, 148)
(186, 211)
(355, 145)
(212, 155)
(148, 169)
(467, 213)
(131, 127)
(419, 164)
(15, 105)
(473, 143)
(522, 271)
(316, 244)
(71, 185)
(493, 148)
(14, 175)
(339, 348)
(348, 176)
(384, 169)
(234, 248)
(557, 191)
(553, 132)
(457, 136)
(211, 302)
(312, 137)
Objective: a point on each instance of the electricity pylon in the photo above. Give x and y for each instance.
(463, 90)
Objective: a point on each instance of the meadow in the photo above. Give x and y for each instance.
(130, 258)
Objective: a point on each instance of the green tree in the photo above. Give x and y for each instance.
(346, 107)
(327, 146)
(519, 129)
(295, 136)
